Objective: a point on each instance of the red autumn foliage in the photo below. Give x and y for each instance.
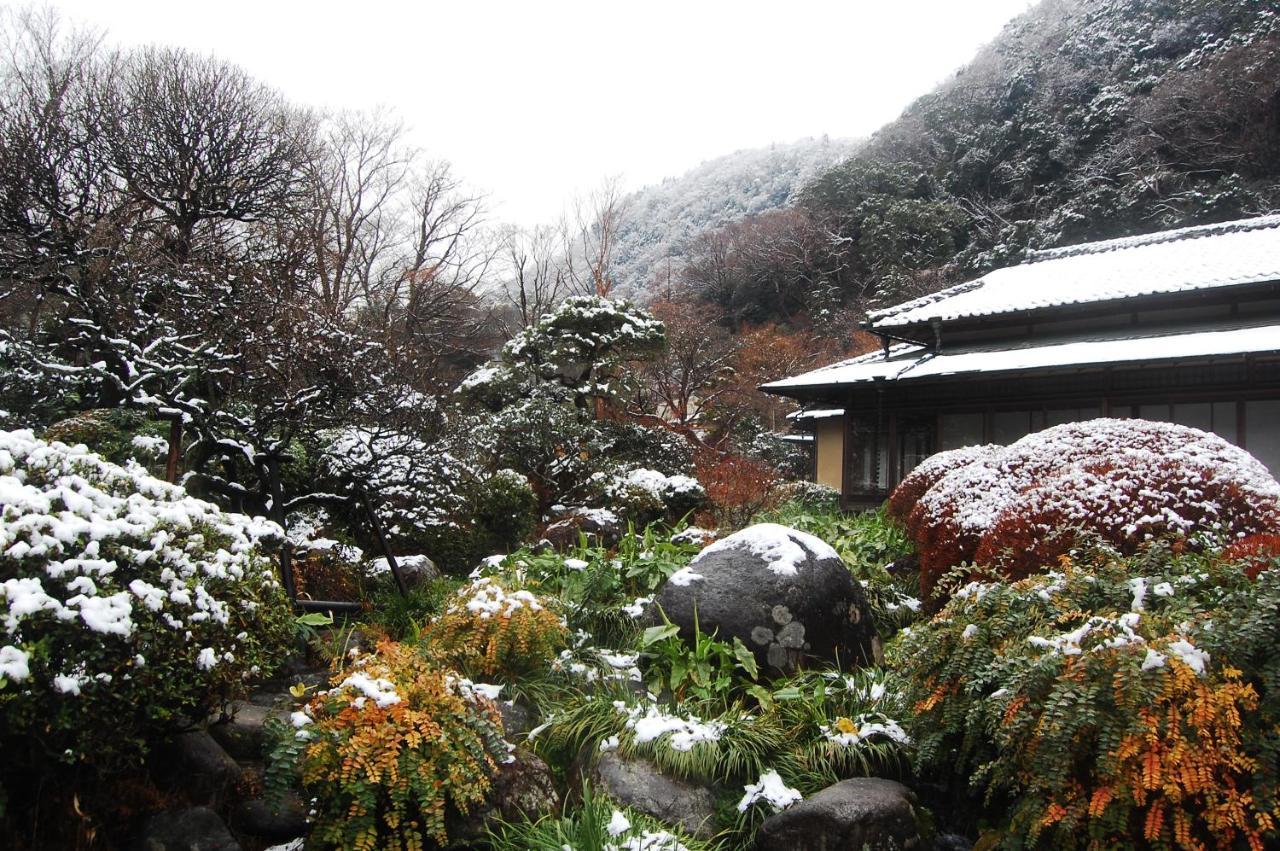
(1019, 507)
(929, 473)
(1255, 551)
(737, 486)
(1125, 501)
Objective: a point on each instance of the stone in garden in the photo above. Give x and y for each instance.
(517, 719)
(600, 525)
(194, 829)
(865, 812)
(417, 570)
(523, 789)
(271, 820)
(197, 765)
(638, 783)
(786, 594)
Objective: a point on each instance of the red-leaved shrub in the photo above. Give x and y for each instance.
(1125, 501)
(928, 473)
(1123, 480)
(737, 486)
(1256, 552)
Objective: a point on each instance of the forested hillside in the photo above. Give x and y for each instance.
(661, 220)
(1085, 119)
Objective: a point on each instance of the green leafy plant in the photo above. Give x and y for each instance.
(707, 669)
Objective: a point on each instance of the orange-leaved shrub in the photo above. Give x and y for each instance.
(1123, 480)
(488, 630)
(1105, 705)
(393, 747)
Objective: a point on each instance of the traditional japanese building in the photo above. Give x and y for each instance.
(1181, 326)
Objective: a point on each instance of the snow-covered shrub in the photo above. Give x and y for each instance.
(928, 473)
(430, 499)
(125, 603)
(394, 745)
(809, 496)
(1112, 703)
(489, 630)
(1125, 500)
(645, 496)
(1124, 480)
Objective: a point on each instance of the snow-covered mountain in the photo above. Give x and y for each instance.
(661, 219)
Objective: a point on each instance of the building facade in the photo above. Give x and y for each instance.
(1181, 326)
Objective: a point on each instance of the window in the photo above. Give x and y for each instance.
(1262, 432)
(915, 443)
(957, 430)
(1008, 426)
(868, 456)
(1061, 416)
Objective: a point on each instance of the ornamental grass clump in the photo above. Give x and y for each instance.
(1103, 705)
(1125, 481)
(126, 606)
(394, 748)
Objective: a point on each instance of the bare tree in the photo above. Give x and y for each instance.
(357, 177)
(200, 143)
(589, 234)
(536, 279)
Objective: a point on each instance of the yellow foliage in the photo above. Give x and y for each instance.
(488, 631)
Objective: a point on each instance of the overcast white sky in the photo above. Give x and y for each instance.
(534, 101)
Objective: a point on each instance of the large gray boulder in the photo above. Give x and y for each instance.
(637, 783)
(865, 812)
(786, 594)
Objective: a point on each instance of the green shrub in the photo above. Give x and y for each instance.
(116, 434)
(503, 510)
(1087, 701)
(126, 605)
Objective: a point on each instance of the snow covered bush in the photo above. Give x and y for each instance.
(394, 745)
(490, 630)
(431, 498)
(1125, 481)
(645, 496)
(1105, 701)
(928, 473)
(125, 603)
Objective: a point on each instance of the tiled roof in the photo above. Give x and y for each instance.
(1196, 258)
(1152, 344)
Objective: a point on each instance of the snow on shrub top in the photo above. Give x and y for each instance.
(1125, 480)
(975, 494)
(123, 589)
(658, 485)
(783, 548)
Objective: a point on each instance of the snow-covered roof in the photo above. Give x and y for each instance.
(816, 414)
(916, 362)
(1195, 258)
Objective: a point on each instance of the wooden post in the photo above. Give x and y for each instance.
(376, 524)
(175, 450)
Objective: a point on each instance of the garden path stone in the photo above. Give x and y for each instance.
(194, 829)
(273, 821)
(787, 595)
(199, 766)
(867, 812)
(639, 784)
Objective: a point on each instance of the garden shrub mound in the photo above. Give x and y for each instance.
(125, 604)
(1125, 481)
(784, 593)
(1119, 702)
